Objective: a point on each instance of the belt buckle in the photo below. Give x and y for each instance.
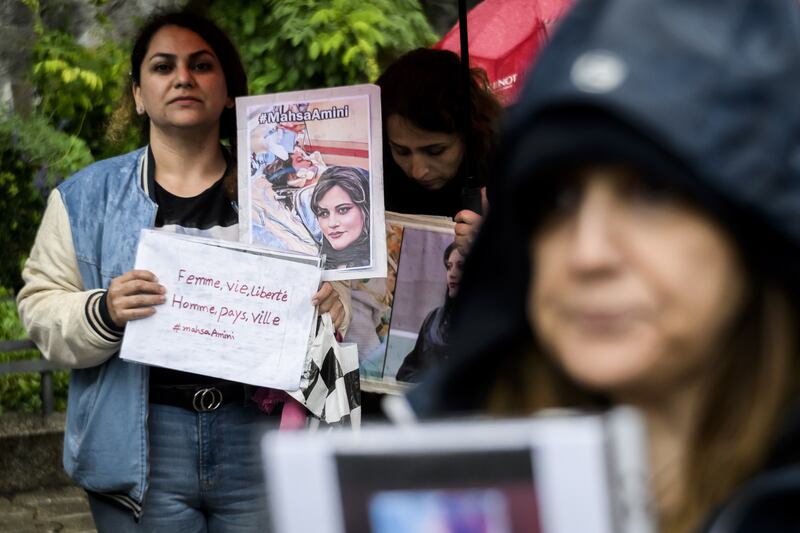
(206, 400)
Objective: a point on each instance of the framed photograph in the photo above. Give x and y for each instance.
(311, 177)
(400, 322)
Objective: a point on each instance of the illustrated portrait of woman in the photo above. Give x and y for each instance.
(340, 203)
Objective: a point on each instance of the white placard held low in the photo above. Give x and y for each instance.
(232, 311)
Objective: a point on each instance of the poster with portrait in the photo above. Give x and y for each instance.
(311, 176)
(400, 322)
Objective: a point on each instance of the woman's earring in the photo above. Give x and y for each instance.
(140, 109)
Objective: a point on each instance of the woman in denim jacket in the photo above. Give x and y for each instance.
(134, 438)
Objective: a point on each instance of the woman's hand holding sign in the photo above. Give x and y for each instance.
(134, 295)
(328, 301)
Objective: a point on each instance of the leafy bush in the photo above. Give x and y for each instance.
(301, 44)
(10, 325)
(20, 392)
(79, 87)
(76, 90)
(34, 156)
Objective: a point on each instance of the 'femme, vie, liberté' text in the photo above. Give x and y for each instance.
(236, 287)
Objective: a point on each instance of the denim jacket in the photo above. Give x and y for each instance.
(88, 236)
(105, 444)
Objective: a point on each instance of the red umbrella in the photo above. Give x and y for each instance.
(504, 38)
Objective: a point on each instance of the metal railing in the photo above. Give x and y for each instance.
(44, 367)
(41, 365)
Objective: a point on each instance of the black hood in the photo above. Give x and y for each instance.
(767, 503)
(705, 92)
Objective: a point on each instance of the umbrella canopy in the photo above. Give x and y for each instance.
(505, 37)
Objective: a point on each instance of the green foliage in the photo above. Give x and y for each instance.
(79, 87)
(10, 325)
(34, 156)
(21, 206)
(301, 44)
(32, 144)
(20, 392)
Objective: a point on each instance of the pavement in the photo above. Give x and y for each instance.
(62, 510)
(35, 493)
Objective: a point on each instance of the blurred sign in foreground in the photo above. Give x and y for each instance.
(552, 474)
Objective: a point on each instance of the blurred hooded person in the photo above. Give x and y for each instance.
(648, 221)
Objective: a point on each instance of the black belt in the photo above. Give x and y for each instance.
(200, 398)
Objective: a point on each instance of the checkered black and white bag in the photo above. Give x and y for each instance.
(330, 388)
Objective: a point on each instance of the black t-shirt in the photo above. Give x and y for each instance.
(210, 214)
(404, 195)
(208, 211)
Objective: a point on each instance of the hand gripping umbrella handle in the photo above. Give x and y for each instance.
(471, 199)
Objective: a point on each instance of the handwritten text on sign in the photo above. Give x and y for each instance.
(230, 314)
(241, 315)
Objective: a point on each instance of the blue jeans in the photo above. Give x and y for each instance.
(205, 474)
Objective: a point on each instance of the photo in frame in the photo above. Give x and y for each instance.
(400, 322)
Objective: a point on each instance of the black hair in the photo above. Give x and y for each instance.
(425, 87)
(444, 327)
(224, 49)
(447, 251)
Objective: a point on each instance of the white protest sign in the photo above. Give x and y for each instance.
(232, 311)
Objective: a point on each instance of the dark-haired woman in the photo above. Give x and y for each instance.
(135, 440)
(340, 202)
(426, 130)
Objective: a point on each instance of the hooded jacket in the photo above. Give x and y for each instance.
(704, 91)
